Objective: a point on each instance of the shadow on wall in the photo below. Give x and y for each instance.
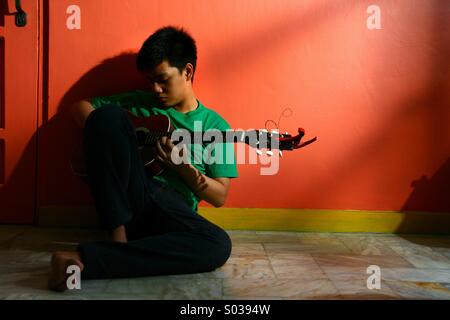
(56, 139)
(434, 192)
(113, 75)
(429, 192)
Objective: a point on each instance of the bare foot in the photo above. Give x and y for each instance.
(119, 234)
(61, 260)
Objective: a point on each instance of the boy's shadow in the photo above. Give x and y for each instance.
(56, 139)
(59, 136)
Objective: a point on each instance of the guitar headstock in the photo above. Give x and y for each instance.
(274, 140)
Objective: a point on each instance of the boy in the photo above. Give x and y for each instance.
(152, 221)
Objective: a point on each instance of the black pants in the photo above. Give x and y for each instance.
(165, 236)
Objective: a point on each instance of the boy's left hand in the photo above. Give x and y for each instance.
(163, 152)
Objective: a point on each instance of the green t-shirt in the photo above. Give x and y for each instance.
(141, 103)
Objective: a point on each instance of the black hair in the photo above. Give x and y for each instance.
(171, 44)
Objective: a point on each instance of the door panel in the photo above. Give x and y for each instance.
(18, 112)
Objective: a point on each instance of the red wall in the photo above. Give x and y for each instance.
(378, 100)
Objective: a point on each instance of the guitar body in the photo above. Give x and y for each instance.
(148, 130)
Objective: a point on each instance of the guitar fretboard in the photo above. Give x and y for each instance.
(251, 137)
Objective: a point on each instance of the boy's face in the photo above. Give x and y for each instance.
(167, 84)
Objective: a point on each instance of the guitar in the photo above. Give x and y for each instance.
(150, 129)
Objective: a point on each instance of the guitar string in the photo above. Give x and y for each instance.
(278, 124)
(153, 136)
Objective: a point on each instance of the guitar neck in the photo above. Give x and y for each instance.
(250, 137)
(151, 129)
(230, 136)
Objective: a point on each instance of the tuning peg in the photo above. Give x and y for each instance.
(281, 153)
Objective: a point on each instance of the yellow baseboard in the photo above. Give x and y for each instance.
(329, 220)
(300, 220)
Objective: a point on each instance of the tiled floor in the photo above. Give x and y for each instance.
(263, 265)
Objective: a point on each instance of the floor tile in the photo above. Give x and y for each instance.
(333, 260)
(366, 245)
(9, 232)
(418, 275)
(299, 266)
(352, 283)
(284, 288)
(247, 268)
(248, 249)
(422, 257)
(308, 246)
(419, 290)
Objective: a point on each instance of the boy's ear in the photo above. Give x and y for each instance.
(189, 71)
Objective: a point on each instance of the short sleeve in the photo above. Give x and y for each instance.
(122, 99)
(222, 159)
